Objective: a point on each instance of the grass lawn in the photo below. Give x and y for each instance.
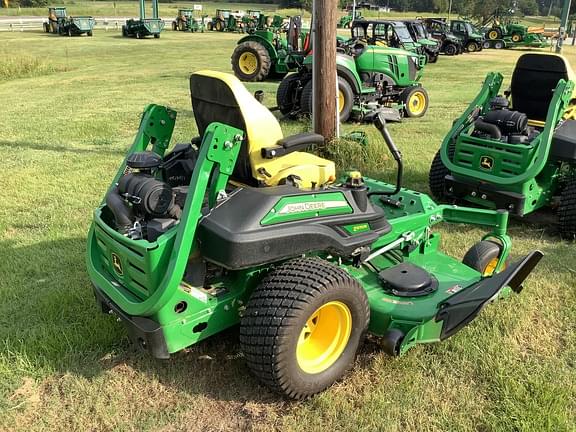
(68, 117)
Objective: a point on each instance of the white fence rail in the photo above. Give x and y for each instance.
(21, 24)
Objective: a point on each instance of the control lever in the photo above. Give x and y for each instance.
(379, 121)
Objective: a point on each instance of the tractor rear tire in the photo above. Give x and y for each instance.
(415, 100)
(567, 210)
(516, 37)
(483, 257)
(285, 97)
(450, 49)
(437, 176)
(494, 34)
(472, 47)
(219, 26)
(303, 325)
(251, 61)
(346, 95)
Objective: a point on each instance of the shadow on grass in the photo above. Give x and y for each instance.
(60, 148)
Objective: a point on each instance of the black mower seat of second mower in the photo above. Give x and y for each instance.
(533, 82)
(266, 157)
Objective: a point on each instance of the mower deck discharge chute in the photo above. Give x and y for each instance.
(516, 152)
(243, 227)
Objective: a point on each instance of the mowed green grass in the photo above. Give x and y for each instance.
(65, 127)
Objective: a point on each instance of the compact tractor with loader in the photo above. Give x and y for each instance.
(516, 149)
(60, 23)
(242, 227)
(371, 78)
(265, 53)
(347, 20)
(142, 27)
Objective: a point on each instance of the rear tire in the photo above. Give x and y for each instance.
(483, 257)
(157, 36)
(219, 26)
(209, 26)
(90, 33)
(437, 177)
(346, 94)
(251, 61)
(450, 49)
(415, 100)
(516, 37)
(567, 211)
(285, 97)
(174, 26)
(303, 325)
(494, 34)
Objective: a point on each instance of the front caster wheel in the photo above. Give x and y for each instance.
(303, 325)
(483, 257)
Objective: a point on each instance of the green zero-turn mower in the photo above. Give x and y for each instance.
(371, 78)
(516, 152)
(243, 227)
(60, 23)
(142, 27)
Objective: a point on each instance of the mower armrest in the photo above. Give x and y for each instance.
(291, 144)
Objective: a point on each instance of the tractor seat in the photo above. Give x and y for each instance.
(533, 82)
(266, 157)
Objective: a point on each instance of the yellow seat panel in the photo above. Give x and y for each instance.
(263, 130)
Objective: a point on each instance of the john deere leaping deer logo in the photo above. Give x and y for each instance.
(117, 264)
(486, 162)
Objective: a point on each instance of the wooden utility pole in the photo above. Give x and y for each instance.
(324, 67)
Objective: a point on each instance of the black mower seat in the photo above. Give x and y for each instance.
(533, 82)
(221, 97)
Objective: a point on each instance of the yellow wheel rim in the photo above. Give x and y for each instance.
(324, 337)
(248, 63)
(516, 38)
(489, 270)
(493, 34)
(341, 101)
(417, 103)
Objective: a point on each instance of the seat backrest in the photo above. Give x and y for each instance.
(221, 97)
(533, 82)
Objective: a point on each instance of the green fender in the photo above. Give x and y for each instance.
(346, 67)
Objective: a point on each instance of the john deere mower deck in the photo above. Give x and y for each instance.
(242, 227)
(522, 157)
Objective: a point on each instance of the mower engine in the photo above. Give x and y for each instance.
(148, 199)
(504, 125)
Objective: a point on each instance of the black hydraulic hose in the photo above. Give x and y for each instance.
(380, 124)
(489, 128)
(123, 215)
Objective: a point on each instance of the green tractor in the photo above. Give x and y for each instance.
(142, 27)
(472, 39)
(266, 53)
(252, 20)
(186, 21)
(519, 157)
(60, 23)
(242, 227)
(226, 20)
(419, 34)
(371, 78)
(346, 20)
